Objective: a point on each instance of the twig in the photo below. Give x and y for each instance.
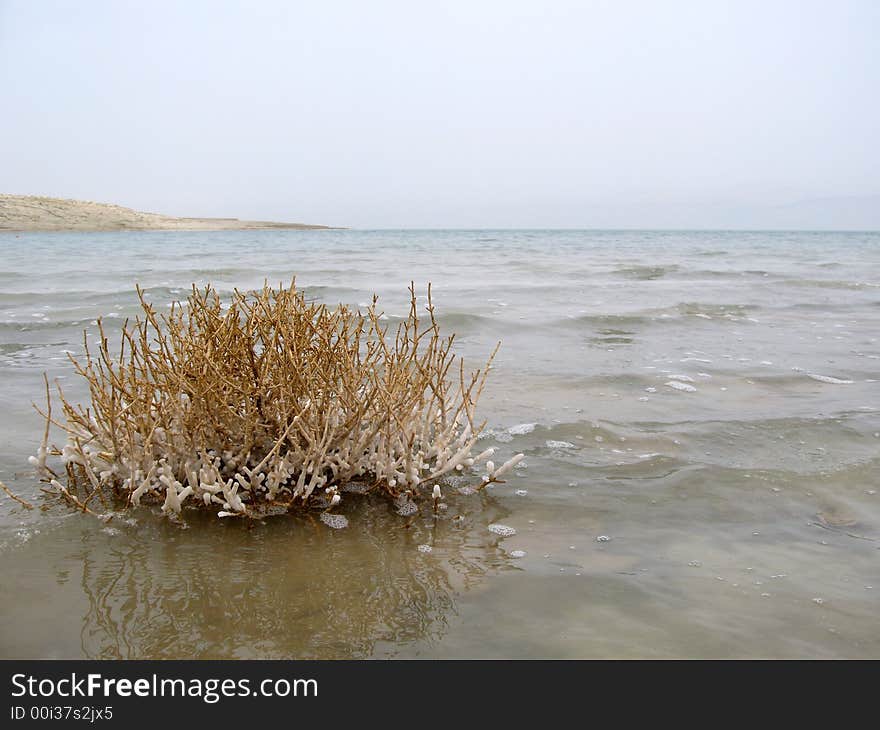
(18, 499)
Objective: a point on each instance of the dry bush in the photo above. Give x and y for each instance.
(269, 404)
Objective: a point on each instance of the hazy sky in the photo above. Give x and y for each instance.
(450, 114)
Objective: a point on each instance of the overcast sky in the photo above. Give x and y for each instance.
(483, 113)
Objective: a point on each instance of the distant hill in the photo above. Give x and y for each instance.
(35, 213)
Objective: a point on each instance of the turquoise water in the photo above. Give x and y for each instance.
(707, 401)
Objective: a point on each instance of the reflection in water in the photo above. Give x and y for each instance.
(286, 588)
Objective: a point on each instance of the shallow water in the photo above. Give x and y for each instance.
(708, 402)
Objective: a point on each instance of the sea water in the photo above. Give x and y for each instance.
(700, 414)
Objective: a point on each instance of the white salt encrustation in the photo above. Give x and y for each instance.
(502, 530)
(272, 433)
(336, 521)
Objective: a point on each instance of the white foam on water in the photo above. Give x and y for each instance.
(829, 379)
(695, 359)
(337, 522)
(521, 429)
(681, 386)
(502, 530)
(682, 378)
(560, 445)
(517, 553)
(521, 492)
(603, 538)
(425, 548)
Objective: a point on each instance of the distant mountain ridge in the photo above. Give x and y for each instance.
(37, 213)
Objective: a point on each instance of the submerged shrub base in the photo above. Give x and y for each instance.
(268, 403)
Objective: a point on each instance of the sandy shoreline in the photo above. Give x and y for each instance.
(37, 213)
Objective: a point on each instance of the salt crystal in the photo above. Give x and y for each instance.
(407, 509)
(337, 522)
(502, 530)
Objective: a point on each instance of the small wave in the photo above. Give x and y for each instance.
(828, 379)
(78, 298)
(795, 380)
(324, 292)
(612, 336)
(506, 435)
(455, 321)
(44, 325)
(697, 274)
(678, 385)
(231, 272)
(624, 324)
(14, 348)
(831, 284)
(606, 322)
(645, 273)
(701, 309)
